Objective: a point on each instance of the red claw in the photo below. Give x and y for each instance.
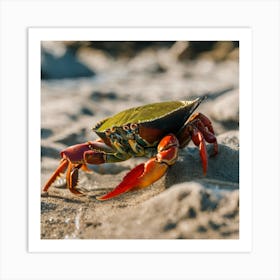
(147, 173)
(127, 183)
(141, 176)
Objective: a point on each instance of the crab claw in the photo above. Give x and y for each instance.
(147, 173)
(141, 176)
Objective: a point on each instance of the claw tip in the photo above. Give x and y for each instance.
(101, 198)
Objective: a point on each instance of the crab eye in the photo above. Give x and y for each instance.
(133, 126)
(126, 127)
(108, 131)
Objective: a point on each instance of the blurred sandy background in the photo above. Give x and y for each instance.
(84, 82)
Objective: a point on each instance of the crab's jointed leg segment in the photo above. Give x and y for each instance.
(147, 173)
(198, 140)
(206, 128)
(199, 129)
(74, 158)
(72, 177)
(61, 169)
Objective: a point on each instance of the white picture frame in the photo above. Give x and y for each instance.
(17, 262)
(243, 35)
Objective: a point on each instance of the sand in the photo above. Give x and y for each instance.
(183, 204)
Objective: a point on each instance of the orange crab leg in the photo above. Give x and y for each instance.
(61, 169)
(147, 173)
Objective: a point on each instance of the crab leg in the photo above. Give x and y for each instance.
(72, 177)
(199, 141)
(199, 129)
(61, 169)
(205, 126)
(147, 173)
(74, 158)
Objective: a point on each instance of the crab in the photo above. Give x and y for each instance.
(156, 131)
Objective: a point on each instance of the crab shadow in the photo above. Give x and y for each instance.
(223, 169)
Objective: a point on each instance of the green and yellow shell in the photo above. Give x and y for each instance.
(152, 120)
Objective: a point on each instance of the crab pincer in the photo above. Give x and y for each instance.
(147, 173)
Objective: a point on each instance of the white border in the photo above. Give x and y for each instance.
(263, 16)
(243, 35)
